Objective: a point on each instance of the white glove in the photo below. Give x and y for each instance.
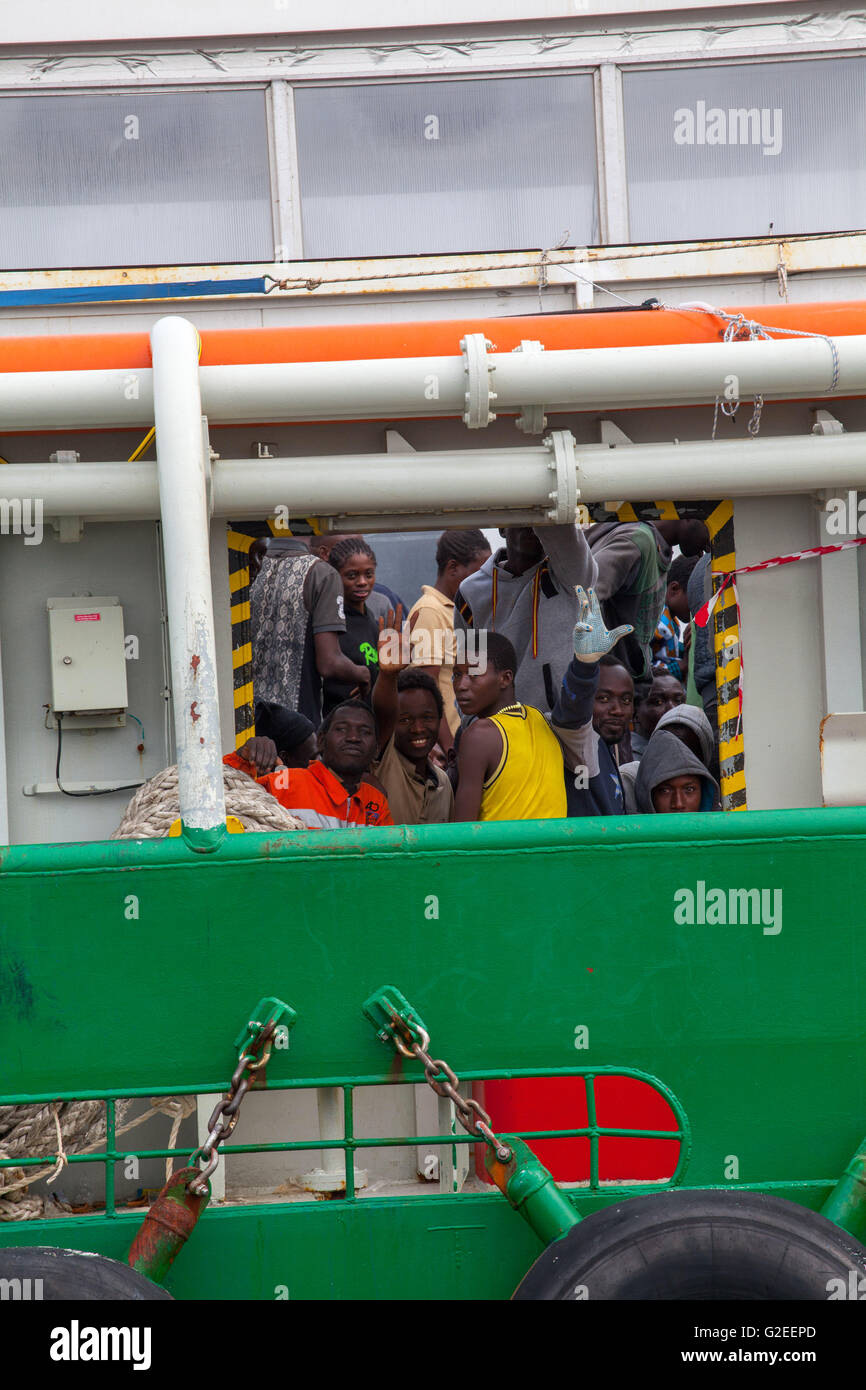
(592, 640)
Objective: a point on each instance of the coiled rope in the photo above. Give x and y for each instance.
(75, 1127)
(155, 806)
(37, 1131)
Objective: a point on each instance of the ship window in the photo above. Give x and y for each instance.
(134, 179)
(741, 151)
(447, 167)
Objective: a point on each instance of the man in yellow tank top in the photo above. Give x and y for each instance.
(510, 765)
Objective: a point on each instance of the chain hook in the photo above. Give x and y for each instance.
(226, 1112)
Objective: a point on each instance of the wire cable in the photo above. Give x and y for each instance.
(143, 446)
(105, 791)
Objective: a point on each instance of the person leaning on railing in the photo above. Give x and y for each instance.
(509, 763)
(334, 792)
(592, 780)
(669, 777)
(525, 591)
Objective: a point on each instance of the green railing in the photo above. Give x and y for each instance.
(351, 1144)
(125, 967)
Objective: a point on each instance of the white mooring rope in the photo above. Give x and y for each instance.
(58, 1129)
(155, 806)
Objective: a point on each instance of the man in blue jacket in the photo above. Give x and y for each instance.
(592, 781)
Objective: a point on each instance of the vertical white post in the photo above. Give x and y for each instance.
(182, 474)
(331, 1177)
(840, 613)
(285, 150)
(612, 191)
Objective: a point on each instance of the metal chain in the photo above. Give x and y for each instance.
(740, 329)
(470, 1114)
(755, 423)
(225, 1114)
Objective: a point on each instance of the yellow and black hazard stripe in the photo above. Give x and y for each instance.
(239, 543)
(726, 640)
(240, 537)
(719, 519)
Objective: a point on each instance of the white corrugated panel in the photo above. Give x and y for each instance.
(743, 150)
(134, 179)
(409, 168)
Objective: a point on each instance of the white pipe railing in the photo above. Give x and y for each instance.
(406, 387)
(182, 487)
(420, 488)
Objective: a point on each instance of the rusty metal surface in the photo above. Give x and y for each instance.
(167, 1226)
(485, 270)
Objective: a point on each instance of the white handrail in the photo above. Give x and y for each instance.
(182, 480)
(406, 387)
(421, 488)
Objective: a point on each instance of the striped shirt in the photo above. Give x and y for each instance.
(318, 798)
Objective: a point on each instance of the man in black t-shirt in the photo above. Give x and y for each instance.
(297, 615)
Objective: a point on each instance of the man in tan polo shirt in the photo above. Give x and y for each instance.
(408, 710)
(431, 619)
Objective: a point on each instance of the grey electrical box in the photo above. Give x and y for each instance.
(88, 664)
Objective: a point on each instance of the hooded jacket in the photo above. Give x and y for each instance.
(664, 758)
(680, 714)
(535, 610)
(633, 560)
(695, 719)
(699, 589)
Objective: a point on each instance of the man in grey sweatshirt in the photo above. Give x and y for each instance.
(526, 592)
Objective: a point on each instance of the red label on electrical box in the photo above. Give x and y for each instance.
(88, 617)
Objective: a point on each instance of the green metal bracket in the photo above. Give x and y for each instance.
(393, 1017)
(524, 1181)
(846, 1205)
(268, 1010)
(531, 1190)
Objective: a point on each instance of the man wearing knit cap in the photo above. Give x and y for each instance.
(282, 736)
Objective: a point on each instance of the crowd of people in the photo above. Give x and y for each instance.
(561, 676)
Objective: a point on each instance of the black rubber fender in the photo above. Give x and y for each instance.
(73, 1275)
(697, 1245)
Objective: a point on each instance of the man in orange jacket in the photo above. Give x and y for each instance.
(330, 794)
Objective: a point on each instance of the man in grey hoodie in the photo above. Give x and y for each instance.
(671, 779)
(526, 592)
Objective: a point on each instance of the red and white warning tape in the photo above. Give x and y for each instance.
(702, 617)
